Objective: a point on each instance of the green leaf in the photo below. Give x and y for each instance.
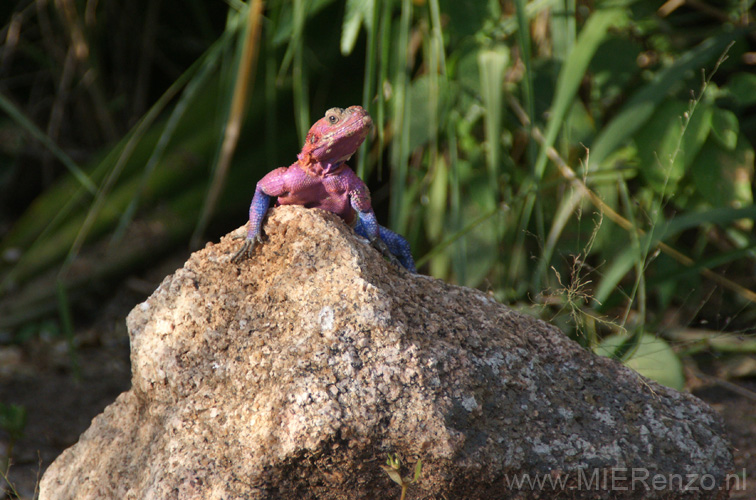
(357, 11)
(641, 106)
(742, 87)
(420, 124)
(724, 178)
(617, 268)
(418, 470)
(483, 226)
(482, 252)
(393, 474)
(580, 126)
(466, 17)
(613, 67)
(725, 128)
(662, 163)
(653, 358)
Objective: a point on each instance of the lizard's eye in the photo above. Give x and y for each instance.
(333, 119)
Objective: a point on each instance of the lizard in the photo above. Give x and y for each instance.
(320, 178)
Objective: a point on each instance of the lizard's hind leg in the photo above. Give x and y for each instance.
(398, 246)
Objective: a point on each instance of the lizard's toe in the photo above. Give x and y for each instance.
(379, 245)
(245, 251)
(247, 247)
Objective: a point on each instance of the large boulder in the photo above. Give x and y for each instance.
(294, 374)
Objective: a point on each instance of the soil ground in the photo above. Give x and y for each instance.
(38, 376)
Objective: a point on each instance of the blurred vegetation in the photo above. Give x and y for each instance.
(12, 422)
(589, 162)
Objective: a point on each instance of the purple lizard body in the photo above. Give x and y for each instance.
(320, 179)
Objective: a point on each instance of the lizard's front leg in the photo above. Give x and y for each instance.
(367, 225)
(399, 247)
(257, 210)
(380, 244)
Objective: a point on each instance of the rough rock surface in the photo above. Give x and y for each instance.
(292, 376)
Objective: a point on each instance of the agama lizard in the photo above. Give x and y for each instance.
(320, 178)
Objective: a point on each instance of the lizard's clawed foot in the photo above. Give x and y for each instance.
(246, 249)
(379, 245)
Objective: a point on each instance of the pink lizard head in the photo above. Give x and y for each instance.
(333, 139)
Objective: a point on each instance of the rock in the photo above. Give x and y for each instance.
(293, 374)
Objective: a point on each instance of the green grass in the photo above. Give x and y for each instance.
(593, 162)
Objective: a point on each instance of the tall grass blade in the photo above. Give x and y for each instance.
(18, 116)
(271, 87)
(115, 173)
(456, 220)
(491, 65)
(701, 265)
(456, 236)
(641, 259)
(299, 71)
(372, 22)
(569, 79)
(562, 216)
(245, 80)
(64, 313)
(563, 29)
(572, 74)
(193, 88)
(400, 123)
(436, 73)
(35, 229)
(523, 41)
(511, 25)
(384, 69)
